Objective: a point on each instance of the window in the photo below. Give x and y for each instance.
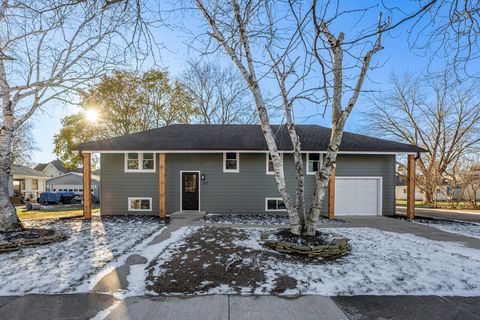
(274, 204)
(231, 162)
(139, 162)
(139, 204)
(34, 184)
(314, 162)
(269, 168)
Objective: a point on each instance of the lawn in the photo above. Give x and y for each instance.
(213, 260)
(70, 265)
(36, 214)
(464, 206)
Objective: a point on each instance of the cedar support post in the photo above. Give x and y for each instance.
(87, 185)
(411, 187)
(331, 195)
(162, 177)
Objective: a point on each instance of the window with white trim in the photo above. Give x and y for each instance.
(139, 204)
(314, 162)
(231, 162)
(274, 204)
(269, 164)
(139, 162)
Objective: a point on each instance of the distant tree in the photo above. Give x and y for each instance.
(219, 94)
(126, 102)
(439, 114)
(24, 145)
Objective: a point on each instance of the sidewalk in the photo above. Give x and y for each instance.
(225, 307)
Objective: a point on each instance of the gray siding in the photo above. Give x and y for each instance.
(117, 185)
(242, 192)
(72, 179)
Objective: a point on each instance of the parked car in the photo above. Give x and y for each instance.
(63, 197)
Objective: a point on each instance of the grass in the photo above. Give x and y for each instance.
(23, 215)
(418, 203)
(440, 205)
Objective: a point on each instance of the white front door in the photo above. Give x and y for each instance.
(358, 196)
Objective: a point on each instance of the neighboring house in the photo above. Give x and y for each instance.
(27, 182)
(52, 169)
(73, 181)
(227, 169)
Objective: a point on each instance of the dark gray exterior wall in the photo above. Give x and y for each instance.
(117, 185)
(242, 192)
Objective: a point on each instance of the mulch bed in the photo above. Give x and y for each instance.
(209, 258)
(15, 240)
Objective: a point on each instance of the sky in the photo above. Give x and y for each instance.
(396, 57)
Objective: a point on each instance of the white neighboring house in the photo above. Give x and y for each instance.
(52, 169)
(401, 193)
(73, 182)
(27, 181)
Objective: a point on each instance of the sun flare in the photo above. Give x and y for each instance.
(91, 115)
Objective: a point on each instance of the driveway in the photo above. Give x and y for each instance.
(444, 214)
(232, 307)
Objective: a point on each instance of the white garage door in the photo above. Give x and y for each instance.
(358, 196)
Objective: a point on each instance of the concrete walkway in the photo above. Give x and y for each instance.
(444, 214)
(116, 280)
(226, 307)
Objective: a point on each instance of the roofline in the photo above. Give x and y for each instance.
(250, 151)
(75, 173)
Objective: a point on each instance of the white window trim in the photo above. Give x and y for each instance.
(140, 162)
(266, 163)
(139, 198)
(271, 210)
(320, 162)
(225, 162)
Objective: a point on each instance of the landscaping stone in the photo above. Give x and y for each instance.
(12, 241)
(336, 246)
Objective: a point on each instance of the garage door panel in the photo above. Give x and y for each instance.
(357, 196)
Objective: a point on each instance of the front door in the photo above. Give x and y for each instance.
(190, 191)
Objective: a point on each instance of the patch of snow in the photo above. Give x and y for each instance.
(65, 266)
(260, 219)
(104, 313)
(380, 263)
(469, 229)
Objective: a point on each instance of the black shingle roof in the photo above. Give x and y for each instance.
(239, 137)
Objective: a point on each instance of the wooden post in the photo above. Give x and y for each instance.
(331, 195)
(87, 185)
(162, 177)
(411, 187)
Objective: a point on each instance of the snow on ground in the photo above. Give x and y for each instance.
(65, 266)
(260, 219)
(469, 229)
(381, 263)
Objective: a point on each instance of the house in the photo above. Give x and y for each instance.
(26, 182)
(73, 181)
(52, 169)
(227, 169)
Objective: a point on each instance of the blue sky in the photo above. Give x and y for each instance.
(396, 57)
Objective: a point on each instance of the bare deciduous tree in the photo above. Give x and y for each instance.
(242, 28)
(219, 94)
(23, 145)
(439, 114)
(49, 49)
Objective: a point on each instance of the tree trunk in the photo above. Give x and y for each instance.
(8, 216)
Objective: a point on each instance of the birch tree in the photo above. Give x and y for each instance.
(241, 29)
(51, 48)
